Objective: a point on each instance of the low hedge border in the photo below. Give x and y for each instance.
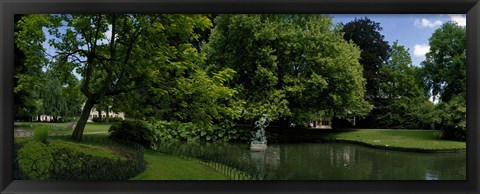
(64, 164)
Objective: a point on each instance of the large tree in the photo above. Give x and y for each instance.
(444, 74)
(111, 52)
(291, 68)
(28, 71)
(402, 102)
(444, 68)
(374, 51)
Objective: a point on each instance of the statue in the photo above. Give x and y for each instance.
(259, 140)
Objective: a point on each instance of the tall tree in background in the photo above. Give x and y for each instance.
(289, 67)
(365, 33)
(374, 51)
(444, 74)
(28, 71)
(444, 68)
(112, 51)
(402, 101)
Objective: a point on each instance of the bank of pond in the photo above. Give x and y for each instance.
(302, 154)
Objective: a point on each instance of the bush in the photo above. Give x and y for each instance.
(41, 134)
(104, 120)
(177, 131)
(452, 118)
(97, 119)
(133, 131)
(115, 119)
(69, 161)
(35, 160)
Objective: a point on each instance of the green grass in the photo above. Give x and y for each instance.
(93, 128)
(165, 167)
(394, 138)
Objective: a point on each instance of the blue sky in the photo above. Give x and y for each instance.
(412, 31)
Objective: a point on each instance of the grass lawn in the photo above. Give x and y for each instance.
(394, 138)
(60, 128)
(165, 167)
(159, 166)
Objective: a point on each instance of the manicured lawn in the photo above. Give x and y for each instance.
(165, 167)
(159, 166)
(60, 128)
(414, 139)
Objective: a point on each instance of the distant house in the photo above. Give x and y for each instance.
(45, 118)
(321, 123)
(94, 113)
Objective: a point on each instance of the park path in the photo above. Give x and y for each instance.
(21, 132)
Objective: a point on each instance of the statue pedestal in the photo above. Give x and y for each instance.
(258, 147)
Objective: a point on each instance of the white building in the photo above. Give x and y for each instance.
(321, 123)
(111, 114)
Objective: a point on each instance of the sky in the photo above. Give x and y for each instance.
(411, 30)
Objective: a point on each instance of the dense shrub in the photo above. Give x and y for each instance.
(114, 119)
(41, 134)
(79, 166)
(134, 131)
(104, 120)
(35, 160)
(67, 161)
(452, 118)
(177, 131)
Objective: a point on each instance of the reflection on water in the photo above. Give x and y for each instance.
(333, 161)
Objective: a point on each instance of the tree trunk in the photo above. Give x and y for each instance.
(99, 114)
(106, 114)
(39, 119)
(78, 132)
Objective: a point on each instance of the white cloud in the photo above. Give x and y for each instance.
(420, 50)
(426, 23)
(460, 19)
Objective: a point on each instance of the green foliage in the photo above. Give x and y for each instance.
(452, 118)
(62, 160)
(34, 158)
(365, 33)
(141, 50)
(97, 119)
(103, 120)
(133, 131)
(401, 102)
(41, 134)
(444, 75)
(444, 69)
(289, 67)
(176, 131)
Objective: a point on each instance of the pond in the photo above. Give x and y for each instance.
(339, 161)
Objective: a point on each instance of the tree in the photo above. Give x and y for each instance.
(28, 71)
(290, 67)
(402, 101)
(444, 75)
(112, 52)
(444, 68)
(374, 51)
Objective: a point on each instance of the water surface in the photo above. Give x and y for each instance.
(340, 161)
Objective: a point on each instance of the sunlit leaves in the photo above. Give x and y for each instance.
(288, 63)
